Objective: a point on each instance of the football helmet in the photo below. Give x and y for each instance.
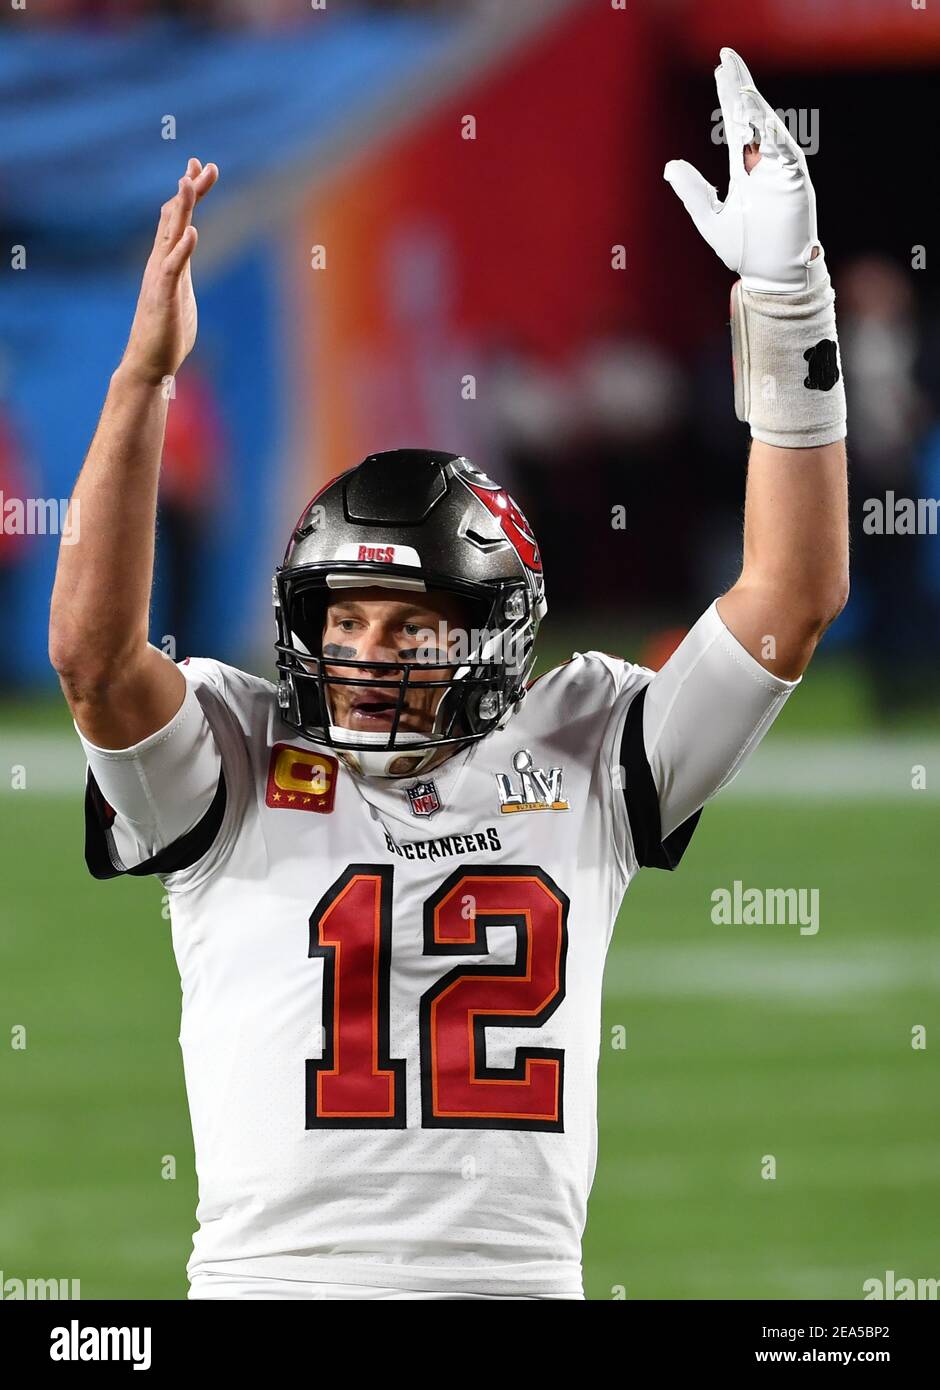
(427, 521)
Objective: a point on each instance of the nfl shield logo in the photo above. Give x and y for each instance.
(424, 799)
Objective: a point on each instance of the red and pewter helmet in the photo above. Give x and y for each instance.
(410, 519)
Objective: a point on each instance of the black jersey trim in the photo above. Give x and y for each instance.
(642, 799)
(101, 854)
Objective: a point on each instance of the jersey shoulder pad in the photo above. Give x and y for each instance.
(592, 672)
(578, 702)
(247, 697)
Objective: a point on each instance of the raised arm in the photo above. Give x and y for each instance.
(121, 689)
(788, 387)
(795, 576)
(695, 723)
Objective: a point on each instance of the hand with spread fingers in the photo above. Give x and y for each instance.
(766, 227)
(164, 328)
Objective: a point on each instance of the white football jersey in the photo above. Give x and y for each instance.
(391, 990)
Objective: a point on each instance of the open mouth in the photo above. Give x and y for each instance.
(375, 709)
(372, 716)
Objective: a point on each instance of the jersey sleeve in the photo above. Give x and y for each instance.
(685, 731)
(170, 805)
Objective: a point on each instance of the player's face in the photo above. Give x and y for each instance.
(388, 625)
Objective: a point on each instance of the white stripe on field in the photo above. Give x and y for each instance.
(835, 768)
(856, 768)
(731, 965)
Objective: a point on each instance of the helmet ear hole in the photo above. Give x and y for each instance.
(478, 614)
(310, 709)
(308, 614)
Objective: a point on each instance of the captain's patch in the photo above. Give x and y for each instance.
(300, 780)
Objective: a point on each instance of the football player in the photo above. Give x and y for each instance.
(394, 873)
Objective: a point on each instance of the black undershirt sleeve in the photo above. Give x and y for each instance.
(642, 799)
(101, 854)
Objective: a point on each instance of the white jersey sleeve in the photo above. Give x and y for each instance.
(687, 732)
(169, 805)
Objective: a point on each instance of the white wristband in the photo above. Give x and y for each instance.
(787, 367)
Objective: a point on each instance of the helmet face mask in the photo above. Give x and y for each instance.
(378, 527)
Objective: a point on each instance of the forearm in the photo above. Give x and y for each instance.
(101, 598)
(119, 688)
(794, 579)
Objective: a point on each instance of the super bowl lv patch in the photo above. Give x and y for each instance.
(300, 780)
(538, 790)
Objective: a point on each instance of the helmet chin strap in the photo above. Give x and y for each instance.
(380, 761)
(372, 758)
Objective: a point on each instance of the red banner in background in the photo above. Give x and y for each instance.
(443, 252)
(810, 33)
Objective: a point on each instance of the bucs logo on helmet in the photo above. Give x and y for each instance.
(505, 509)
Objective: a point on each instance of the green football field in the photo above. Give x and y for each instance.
(723, 1047)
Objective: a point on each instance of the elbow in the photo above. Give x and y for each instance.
(819, 609)
(69, 656)
(82, 681)
(834, 600)
(63, 656)
(85, 669)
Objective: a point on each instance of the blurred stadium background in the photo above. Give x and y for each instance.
(468, 302)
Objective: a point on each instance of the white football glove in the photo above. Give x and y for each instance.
(786, 352)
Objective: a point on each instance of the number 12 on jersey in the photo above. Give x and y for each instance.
(357, 1084)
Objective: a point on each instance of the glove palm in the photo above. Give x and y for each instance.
(766, 227)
